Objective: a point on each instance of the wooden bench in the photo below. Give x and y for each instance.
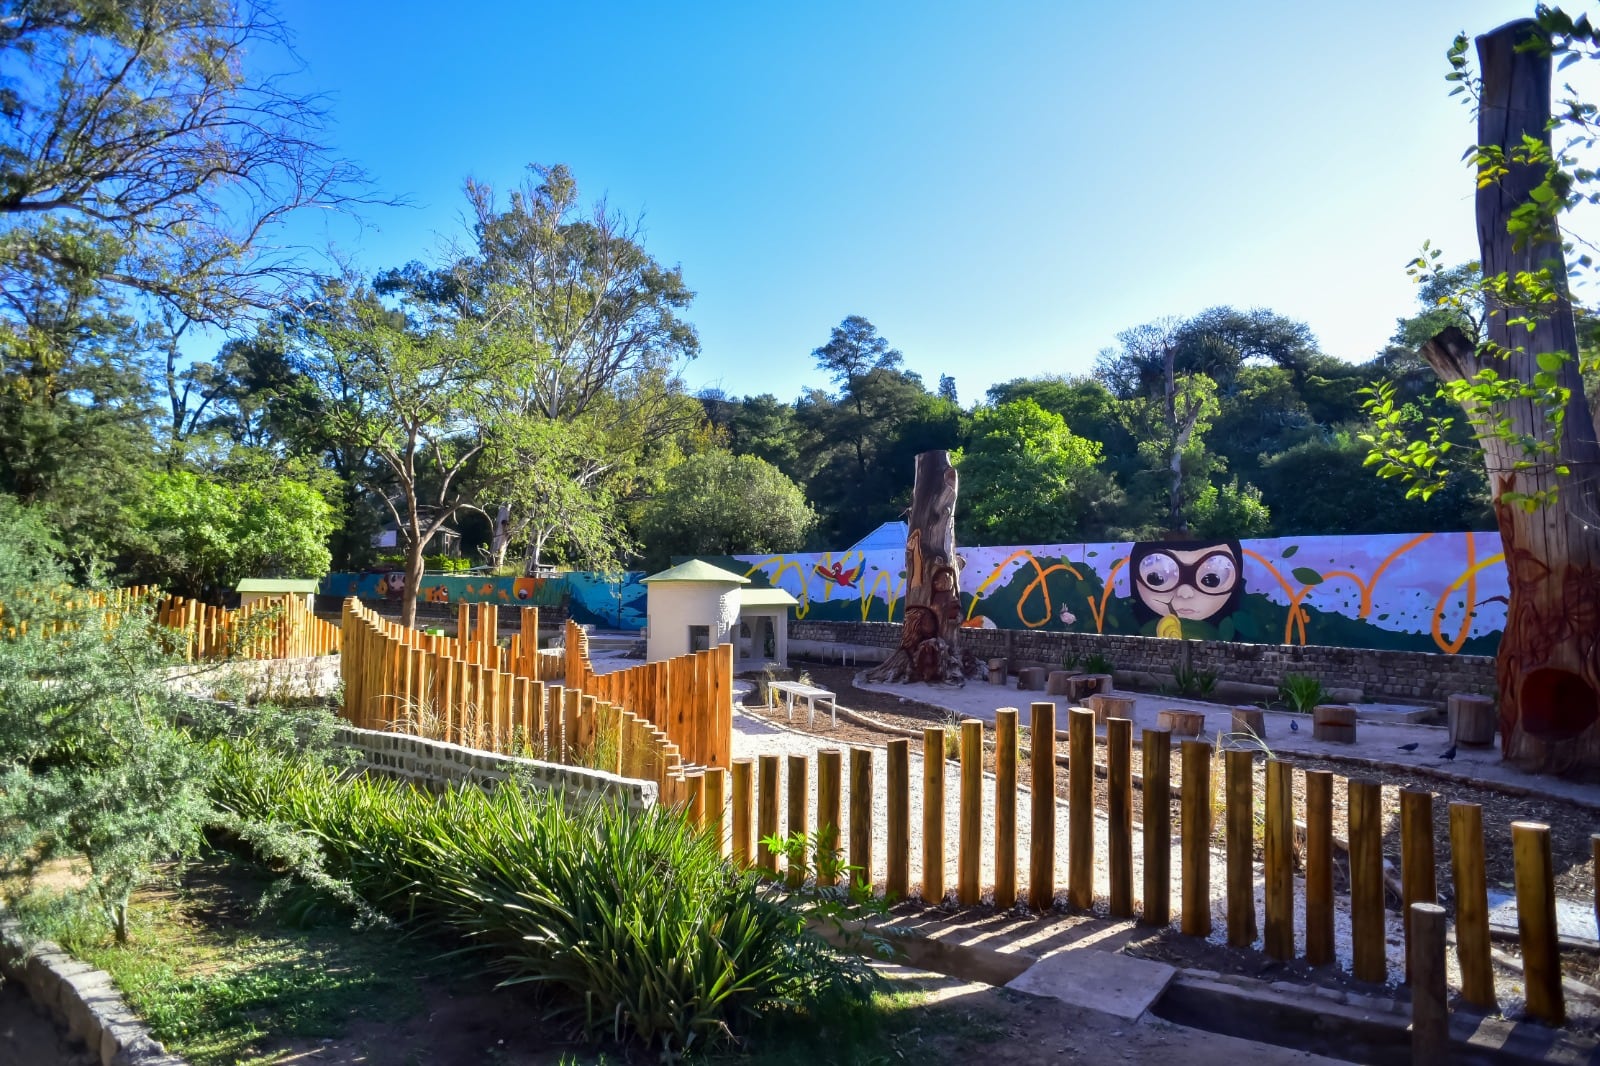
(794, 690)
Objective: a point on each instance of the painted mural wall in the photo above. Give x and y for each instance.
(614, 601)
(1436, 592)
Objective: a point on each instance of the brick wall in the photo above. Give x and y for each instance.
(1408, 676)
(435, 764)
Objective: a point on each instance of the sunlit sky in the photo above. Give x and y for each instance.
(1000, 187)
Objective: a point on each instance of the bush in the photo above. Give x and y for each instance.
(1301, 693)
(630, 922)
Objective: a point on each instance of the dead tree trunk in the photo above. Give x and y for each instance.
(929, 638)
(1548, 664)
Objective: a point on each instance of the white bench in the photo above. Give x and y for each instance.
(794, 690)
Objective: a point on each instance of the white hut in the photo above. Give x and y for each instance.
(692, 607)
(303, 589)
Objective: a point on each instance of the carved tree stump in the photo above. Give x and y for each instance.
(1102, 682)
(1250, 720)
(997, 671)
(1059, 683)
(1333, 723)
(1472, 720)
(1031, 678)
(1106, 706)
(1082, 686)
(1181, 723)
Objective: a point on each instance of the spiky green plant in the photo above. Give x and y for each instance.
(1301, 693)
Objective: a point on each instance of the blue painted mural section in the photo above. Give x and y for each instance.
(615, 601)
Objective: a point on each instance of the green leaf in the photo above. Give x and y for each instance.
(1306, 576)
(1288, 553)
(1552, 361)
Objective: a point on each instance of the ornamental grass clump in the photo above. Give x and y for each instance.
(627, 923)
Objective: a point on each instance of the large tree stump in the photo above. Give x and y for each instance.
(1107, 706)
(1059, 683)
(1334, 723)
(1472, 720)
(1181, 723)
(1548, 663)
(930, 635)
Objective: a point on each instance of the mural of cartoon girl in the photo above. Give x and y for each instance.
(1185, 588)
(394, 585)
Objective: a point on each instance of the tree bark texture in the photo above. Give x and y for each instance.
(930, 635)
(1549, 659)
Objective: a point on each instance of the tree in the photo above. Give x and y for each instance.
(418, 394)
(1520, 382)
(716, 503)
(1029, 479)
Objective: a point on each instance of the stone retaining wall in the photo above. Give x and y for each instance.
(1405, 676)
(435, 764)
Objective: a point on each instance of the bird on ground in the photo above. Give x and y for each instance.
(1413, 746)
(1294, 726)
(1449, 755)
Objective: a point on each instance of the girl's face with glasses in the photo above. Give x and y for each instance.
(1193, 584)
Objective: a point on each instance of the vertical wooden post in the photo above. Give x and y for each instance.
(1157, 827)
(1196, 843)
(767, 800)
(1119, 802)
(933, 815)
(464, 631)
(1042, 794)
(1430, 1004)
(1366, 880)
(1080, 808)
(799, 813)
(861, 816)
(897, 875)
(694, 782)
(1470, 879)
(1319, 867)
(1536, 921)
(1239, 815)
(1279, 856)
(743, 843)
(970, 834)
(830, 814)
(716, 820)
(1005, 807)
(1417, 884)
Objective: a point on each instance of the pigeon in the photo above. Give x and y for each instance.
(1413, 746)
(1449, 755)
(1294, 726)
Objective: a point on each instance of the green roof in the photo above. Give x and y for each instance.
(696, 570)
(279, 584)
(766, 598)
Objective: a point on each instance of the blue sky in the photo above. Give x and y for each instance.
(999, 187)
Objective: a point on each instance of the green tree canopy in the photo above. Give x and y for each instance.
(716, 503)
(1026, 478)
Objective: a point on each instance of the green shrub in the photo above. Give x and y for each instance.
(1301, 693)
(630, 922)
(1193, 683)
(1098, 664)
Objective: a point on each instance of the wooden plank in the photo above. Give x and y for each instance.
(830, 814)
(799, 814)
(1417, 878)
(1195, 811)
(1239, 816)
(1470, 881)
(769, 770)
(1536, 922)
(861, 817)
(1366, 880)
(1319, 867)
(1157, 748)
(716, 817)
(743, 842)
(1080, 808)
(933, 815)
(1005, 807)
(969, 837)
(897, 872)
(1042, 796)
(1279, 857)
(1119, 834)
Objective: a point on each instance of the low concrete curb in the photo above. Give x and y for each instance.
(81, 999)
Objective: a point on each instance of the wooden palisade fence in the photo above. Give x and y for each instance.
(468, 690)
(278, 628)
(759, 793)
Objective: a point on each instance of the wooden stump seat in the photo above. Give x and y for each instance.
(1334, 723)
(1059, 683)
(997, 671)
(1181, 723)
(1031, 678)
(1107, 706)
(1473, 721)
(1250, 720)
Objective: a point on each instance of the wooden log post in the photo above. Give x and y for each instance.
(1366, 880)
(1107, 707)
(1469, 877)
(1536, 922)
(1080, 808)
(1042, 842)
(969, 858)
(897, 861)
(933, 815)
(997, 671)
(1239, 815)
(1119, 834)
(769, 769)
(799, 815)
(830, 815)
(1319, 867)
(1196, 838)
(1005, 807)
(1249, 722)
(1031, 679)
(1333, 723)
(1279, 855)
(1181, 723)
(716, 809)
(1157, 747)
(1471, 719)
(930, 636)
(861, 816)
(1430, 1003)
(1056, 682)
(1417, 878)
(743, 843)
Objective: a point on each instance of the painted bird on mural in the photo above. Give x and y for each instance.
(838, 574)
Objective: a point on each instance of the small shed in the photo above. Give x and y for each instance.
(763, 628)
(304, 589)
(692, 607)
